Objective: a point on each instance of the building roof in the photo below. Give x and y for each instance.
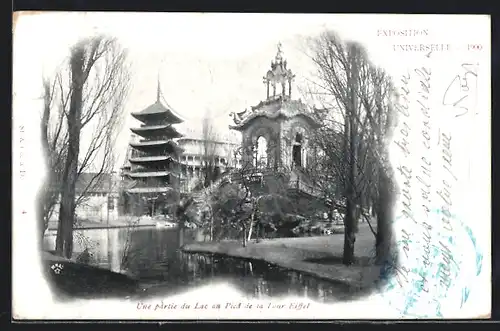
(97, 183)
(276, 105)
(149, 174)
(274, 108)
(153, 158)
(165, 189)
(193, 130)
(146, 144)
(149, 130)
(158, 109)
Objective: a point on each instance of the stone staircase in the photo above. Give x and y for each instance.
(201, 196)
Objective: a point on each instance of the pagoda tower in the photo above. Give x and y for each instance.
(155, 158)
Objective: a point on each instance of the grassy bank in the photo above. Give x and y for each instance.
(318, 256)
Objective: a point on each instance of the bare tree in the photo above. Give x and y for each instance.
(209, 151)
(378, 104)
(337, 69)
(210, 168)
(54, 145)
(90, 104)
(358, 118)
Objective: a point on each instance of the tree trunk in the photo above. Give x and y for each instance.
(244, 235)
(42, 215)
(211, 228)
(180, 233)
(64, 240)
(384, 230)
(258, 231)
(350, 145)
(44, 190)
(250, 229)
(349, 235)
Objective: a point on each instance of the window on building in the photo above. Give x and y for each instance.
(297, 150)
(111, 203)
(260, 159)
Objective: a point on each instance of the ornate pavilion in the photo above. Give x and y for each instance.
(275, 132)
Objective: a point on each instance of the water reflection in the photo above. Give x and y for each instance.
(152, 256)
(256, 279)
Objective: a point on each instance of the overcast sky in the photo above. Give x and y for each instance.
(206, 61)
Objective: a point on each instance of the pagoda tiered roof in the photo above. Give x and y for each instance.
(158, 110)
(150, 158)
(147, 144)
(151, 189)
(159, 129)
(147, 174)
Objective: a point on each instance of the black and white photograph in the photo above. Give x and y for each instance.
(250, 166)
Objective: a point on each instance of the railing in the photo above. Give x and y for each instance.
(154, 139)
(137, 153)
(264, 169)
(189, 185)
(156, 125)
(150, 169)
(299, 185)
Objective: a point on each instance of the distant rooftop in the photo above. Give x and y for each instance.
(89, 182)
(194, 130)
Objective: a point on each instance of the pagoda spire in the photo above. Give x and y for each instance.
(158, 91)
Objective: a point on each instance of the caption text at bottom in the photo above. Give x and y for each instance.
(227, 305)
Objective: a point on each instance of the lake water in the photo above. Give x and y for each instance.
(152, 255)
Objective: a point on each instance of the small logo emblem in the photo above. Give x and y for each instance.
(57, 268)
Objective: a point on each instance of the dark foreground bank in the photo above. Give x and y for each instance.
(70, 279)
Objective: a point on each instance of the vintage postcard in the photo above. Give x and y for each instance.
(203, 166)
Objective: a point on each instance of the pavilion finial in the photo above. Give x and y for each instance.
(279, 54)
(279, 75)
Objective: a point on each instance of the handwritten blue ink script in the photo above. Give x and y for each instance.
(437, 259)
(435, 275)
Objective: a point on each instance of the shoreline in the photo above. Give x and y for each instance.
(302, 255)
(116, 226)
(260, 260)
